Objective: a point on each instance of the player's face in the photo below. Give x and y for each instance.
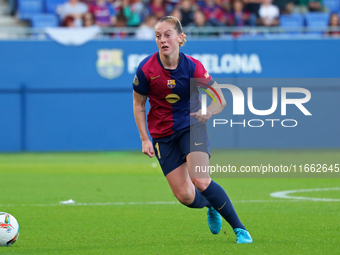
(167, 38)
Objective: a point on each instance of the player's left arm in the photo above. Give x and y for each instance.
(216, 106)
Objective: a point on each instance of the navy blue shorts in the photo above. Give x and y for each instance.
(171, 151)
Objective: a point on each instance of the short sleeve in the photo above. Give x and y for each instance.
(140, 83)
(201, 73)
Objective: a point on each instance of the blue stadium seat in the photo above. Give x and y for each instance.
(317, 20)
(332, 5)
(27, 8)
(295, 20)
(44, 20)
(51, 5)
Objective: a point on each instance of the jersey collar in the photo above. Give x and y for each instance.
(178, 66)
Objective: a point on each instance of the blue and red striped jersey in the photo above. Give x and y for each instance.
(169, 92)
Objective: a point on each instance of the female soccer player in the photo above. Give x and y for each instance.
(164, 78)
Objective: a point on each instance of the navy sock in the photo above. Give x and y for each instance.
(219, 199)
(200, 201)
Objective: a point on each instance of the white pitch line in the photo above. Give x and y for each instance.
(98, 204)
(292, 199)
(284, 194)
(263, 201)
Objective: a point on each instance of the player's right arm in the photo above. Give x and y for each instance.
(140, 92)
(140, 118)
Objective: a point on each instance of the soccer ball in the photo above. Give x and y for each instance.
(9, 229)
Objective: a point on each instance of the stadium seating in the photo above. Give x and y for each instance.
(317, 20)
(44, 20)
(291, 21)
(27, 8)
(51, 5)
(332, 5)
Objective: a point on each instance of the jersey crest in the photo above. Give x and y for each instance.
(171, 84)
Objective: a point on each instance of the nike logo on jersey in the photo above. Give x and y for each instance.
(152, 78)
(196, 144)
(222, 206)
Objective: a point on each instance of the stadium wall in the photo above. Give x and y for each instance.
(79, 98)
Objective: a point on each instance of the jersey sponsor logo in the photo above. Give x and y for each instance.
(206, 75)
(136, 81)
(171, 84)
(172, 98)
(197, 144)
(110, 63)
(152, 78)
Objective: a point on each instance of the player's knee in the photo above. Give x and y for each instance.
(201, 183)
(184, 196)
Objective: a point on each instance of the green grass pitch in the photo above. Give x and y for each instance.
(105, 221)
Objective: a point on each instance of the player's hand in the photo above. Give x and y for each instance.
(201, 118)
(147, 148)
